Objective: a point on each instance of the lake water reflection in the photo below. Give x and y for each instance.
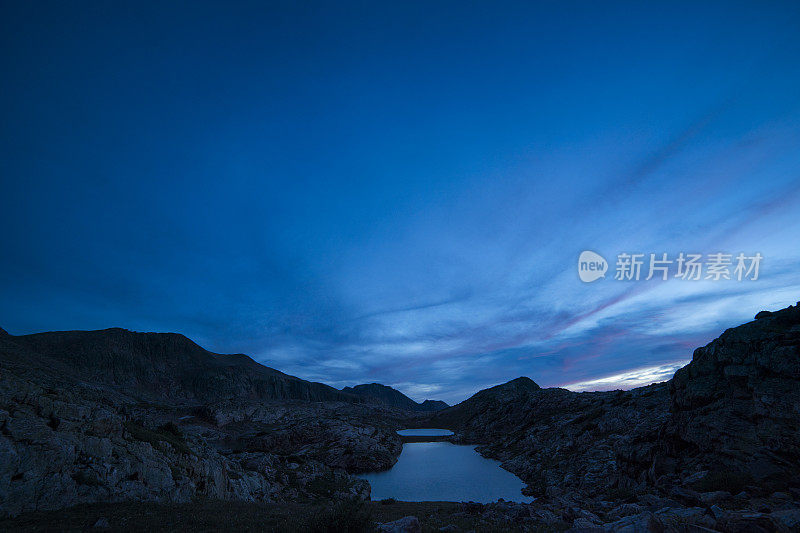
(442, 471)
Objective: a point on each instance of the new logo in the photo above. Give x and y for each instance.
(591, 266)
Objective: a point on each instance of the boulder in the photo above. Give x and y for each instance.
(407, 524)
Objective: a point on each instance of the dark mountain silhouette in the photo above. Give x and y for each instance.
(161, 367)
(392, 397)
(433, 405)
(516, 390)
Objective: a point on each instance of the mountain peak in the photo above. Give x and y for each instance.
(523, 382)
(393, 397)
(434, 405)
(514, 387)
(520, 384)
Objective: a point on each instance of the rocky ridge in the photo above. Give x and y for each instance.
(161, 367)
(393, 398)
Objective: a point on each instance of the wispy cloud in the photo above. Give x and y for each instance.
(628, 380)
(415, 218)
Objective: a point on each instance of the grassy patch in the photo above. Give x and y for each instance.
(234, 516)
(349, 516)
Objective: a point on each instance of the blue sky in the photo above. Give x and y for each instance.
(399, 192)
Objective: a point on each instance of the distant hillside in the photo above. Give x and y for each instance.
(159, 367)
(433, 405)
(512, 392)
(393, 398)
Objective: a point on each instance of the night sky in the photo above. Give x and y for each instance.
(399, 191)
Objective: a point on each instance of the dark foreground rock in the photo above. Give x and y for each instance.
(70, 434)
(407, 524)
(736, 409)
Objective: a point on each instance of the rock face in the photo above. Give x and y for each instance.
(723, 435)
(114, 415)
(561, 442)
(486, 400)
(392, 397)
(736, 406)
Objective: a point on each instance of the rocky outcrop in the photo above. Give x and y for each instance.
(407, 524)
(736, 407)
(719, 441)
(392, 397)
(65, 446)
(356, 438)
(561, 442)
(84, 419)
(485, 401)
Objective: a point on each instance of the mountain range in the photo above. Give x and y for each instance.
(392, 397)
(169, 367)
(114, 415)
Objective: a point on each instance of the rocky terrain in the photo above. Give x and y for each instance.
(715, 448)
(561, 442)
(393, 398)
(736, 407)
(116, 415)
(717, 444)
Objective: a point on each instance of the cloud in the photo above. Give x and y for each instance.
(628, 380)
(369, 223)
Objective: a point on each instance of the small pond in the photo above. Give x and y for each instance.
(442, 471)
